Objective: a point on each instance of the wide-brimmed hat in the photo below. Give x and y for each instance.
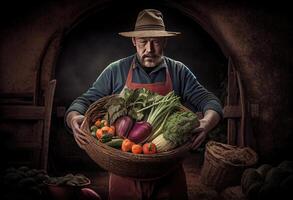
(149, 23)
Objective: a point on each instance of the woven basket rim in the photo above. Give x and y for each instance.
(253, 158)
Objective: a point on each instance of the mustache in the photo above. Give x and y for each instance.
(150, 55)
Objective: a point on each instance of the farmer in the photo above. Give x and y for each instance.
(149, 69)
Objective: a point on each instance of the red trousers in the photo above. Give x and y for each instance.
(172, 186)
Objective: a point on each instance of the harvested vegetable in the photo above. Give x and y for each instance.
(136, 149)
(105, 128)
(126, 145)
(149, 148)
(179, 126)
(140, 132)
(176, 130)
(106, 137)
(123, 125)
(163, 144)
(23, 183)
(104, 123)
(98, 123)
(99, 133)
(160, 109)
(111, 130)
(116, 107)
(115, 143)
(94, 128)
(69, 179)
(137, 99)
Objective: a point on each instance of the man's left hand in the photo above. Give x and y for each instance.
(200, 134)
(210, 120)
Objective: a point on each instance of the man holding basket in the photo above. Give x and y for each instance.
(149, 69)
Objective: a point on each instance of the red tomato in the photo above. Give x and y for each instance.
(149, 148)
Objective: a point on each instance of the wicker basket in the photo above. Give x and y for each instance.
(224, 164)
(137, 166)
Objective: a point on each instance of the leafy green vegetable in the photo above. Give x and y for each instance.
(160, 109)
(134, 114)
(137, 99)
(116, 108)
(179, 126)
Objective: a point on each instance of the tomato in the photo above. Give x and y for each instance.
(111, 130)
(98, 123)
(126, 145)
(136, 149)
(99, 133)
(105, 128)
(149, 148)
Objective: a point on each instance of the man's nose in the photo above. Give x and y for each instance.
(149, 46)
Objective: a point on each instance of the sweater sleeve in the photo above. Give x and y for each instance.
(194, 95)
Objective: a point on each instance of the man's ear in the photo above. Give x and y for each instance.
(133, 41)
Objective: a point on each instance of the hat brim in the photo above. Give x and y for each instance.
(149, 33)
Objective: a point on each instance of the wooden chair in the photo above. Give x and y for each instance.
(25, 130)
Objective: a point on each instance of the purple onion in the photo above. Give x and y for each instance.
(140, 132)
(123, 125)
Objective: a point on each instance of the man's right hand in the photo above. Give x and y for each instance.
(74, 121)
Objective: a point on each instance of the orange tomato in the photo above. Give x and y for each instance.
(149, 148)
(98, 123)
(99, 133)
(105, 128)
(111, 130)
(136, 149)
(126, 145)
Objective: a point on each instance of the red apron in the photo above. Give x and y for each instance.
(171, 186)
(161, 88)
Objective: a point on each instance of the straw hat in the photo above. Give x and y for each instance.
(149, 23)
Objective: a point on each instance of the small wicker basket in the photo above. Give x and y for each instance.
(224, 164)
(137, 166)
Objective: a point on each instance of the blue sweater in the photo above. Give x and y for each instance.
(113, 78)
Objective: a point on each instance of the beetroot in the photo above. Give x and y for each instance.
(140, 132)
(123, 125)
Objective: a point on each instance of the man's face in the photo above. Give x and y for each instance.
(149, 50)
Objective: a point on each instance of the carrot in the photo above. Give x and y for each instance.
(136, 149)
(126, 145)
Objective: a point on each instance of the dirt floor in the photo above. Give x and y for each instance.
(192, 165)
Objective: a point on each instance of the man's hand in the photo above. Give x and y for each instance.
(210, 120)
(74, 121)
(200, 134)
